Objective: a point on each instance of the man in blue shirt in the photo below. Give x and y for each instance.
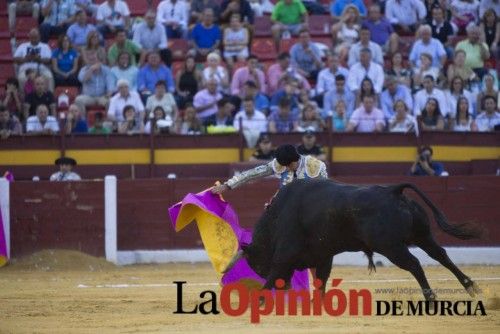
(424, 166)
(78, 31)
(337, 7)
(305, 56)
(59, 14)
(206, 36)
(337, 93)
(393, 93)
(151, 73)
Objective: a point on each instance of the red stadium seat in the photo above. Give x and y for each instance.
(264, 48)
(262, 26)
(176, 67)
(286, 44)
(320, 25)
(6, 71)
(4, 28)
(138, 7)
(24, 25)
(6, 51)
(91, 111)
(179, 48)
(71, 91)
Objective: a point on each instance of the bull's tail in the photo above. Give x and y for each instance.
(461, 231)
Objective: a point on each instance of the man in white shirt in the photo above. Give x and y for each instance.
(150, 35)
(365, 42)
(405, 14)
(65, 172)
(366, 118)
(326, 77)
(42, 123)
(366, 68)
(427, 92)
(253, 122)
(427, 44)
(173, 14)
(33, 55)
(205, 101)
(111, 15)
(490, 118)
(123, 98)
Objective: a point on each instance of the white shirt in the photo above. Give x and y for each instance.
(257, 122)
(60, 176)
(463, 7)
(169, 12)
(452, 102)
(113, 16)
(407, 125)
(27, 48)
(405, 12)
(326, 79)
(33, 124)
(355, 50)
(487, 123)
(357, 73)
(118, 102)
(422, 96)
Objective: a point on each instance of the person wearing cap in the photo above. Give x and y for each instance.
(65, 173)
(310, 147)
(264, 151)
(124, 97)
(287, 165)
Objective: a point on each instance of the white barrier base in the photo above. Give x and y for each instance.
(459, 255)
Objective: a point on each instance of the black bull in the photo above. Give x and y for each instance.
(310, 221)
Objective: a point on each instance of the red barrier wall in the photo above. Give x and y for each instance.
(71, 215)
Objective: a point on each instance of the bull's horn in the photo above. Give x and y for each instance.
(235, 258)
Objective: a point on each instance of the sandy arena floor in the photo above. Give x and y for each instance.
(57, 292)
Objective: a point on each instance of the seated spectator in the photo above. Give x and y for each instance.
(215, 71)
(261, 7)
(13, 98)
(429, 91)
(29, 85)
(93, 48)
(58, 15)
(41, 95)
(198, 6)
(236, 40)
(205, 101)
(490, 31)
(424, 166)
(162, 98)
(426, 44)
(75, 120)
(381, 30)
(366, 88)
(326, 77)
(253, 122)
(405, 15)
(463, 121)
(206, 36)
(281, 72)
(305, 100)
(337, 7)
(425, 68)
(240, 7)
(489, 89)
(22, 7)
(431, 117)
(291, 91)
(173, 15)
(87, 6)
(310, 119)
(489, 4)
(489, 119)
(97, 84)
(79, 31)
(463, 13)
(458, 68)
(222, 120)
(159, 123)
(131, 121)
(9, 124)
(456, 91)
(187, 81)
(66, 165)
(306, 56)
(125, 70)
(283, 120)
(125, 97)
(441, 29)
(151, 73)
(99, 127)
(150, 35)
(33, 55)
(339, 92)
(111, 15)
(365, 42)
(288, 17)
(309, 146)
(65, 63)
(366, 68)
(399, 71)
(122, 44)
(366, 118)
(346, 32)
(252, 73)
(41, 123)
(190, 124)
(260, 100)
(401, 120)
(264, 151)
(476, 51)
(395, 92)
(339, 117)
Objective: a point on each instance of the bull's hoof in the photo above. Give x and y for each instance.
(473, 289)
